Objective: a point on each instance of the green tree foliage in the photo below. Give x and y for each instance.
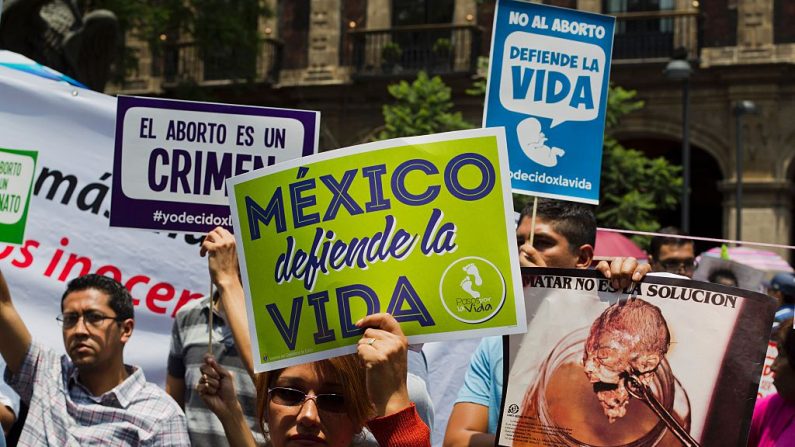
(635, 188)
(420, 108)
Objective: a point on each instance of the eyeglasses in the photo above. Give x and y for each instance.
(677, 265)
(69, 320)
(290, 397)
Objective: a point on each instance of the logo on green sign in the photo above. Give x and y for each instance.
(472, 290)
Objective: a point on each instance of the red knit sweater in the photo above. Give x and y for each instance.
(402, 429)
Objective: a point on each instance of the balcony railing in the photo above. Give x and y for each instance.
(404, 51)
(656, 35)
(187, 62)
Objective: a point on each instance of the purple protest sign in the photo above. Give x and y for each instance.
(172, 158)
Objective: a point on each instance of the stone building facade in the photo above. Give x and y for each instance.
(332, 56)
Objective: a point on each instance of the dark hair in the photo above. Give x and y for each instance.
(659, 241)
(786, 341)
(722, 273)
(119, 298)
(574, 221)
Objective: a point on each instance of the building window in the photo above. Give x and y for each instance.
(639, 35)
(784, 22)
(421, 12)
(294, 31)
(613, 6)
(640, 26)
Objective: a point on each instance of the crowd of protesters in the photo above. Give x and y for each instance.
(377, 396)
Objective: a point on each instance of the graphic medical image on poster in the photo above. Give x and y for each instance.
(601, 372)
(666, 362)
(624, 348)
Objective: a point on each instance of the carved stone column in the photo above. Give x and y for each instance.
(324, 41)
(767, 211)
(464, 8)
(754, 23)
(379, 14)
(589, 5)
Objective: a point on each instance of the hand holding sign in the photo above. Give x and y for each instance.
(217, 387)
(219, 246)
(384, 350)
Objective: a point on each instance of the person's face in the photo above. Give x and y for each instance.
(606, 357)
(552, 247)
(304, 424)
(93, 345)
(679, 259)
(784, 377)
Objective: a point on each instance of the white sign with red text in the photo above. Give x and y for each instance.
(67, 232)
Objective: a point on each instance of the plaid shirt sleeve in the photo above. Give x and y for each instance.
(37, 361)
(173, 432)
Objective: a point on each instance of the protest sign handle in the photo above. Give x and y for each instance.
(210, 322)
(533, 220)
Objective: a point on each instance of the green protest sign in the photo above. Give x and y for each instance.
(16, 178)
(419, 227)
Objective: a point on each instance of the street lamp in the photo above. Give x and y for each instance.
(680, 70)
(740, 108)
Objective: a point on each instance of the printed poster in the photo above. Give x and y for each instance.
(548, 81)
(671, 362)
(16, 178)
(728, 273)
(419, 227)
(172, 158)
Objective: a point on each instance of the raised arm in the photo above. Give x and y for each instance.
(384, 349)
(15, 341)
(217, 390)
(219, 246)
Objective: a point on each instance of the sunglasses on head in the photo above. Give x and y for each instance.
(290, 397)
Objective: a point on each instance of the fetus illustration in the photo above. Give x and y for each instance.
(533, 143)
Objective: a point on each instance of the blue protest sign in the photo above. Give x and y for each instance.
(548, 82)
(172, 158)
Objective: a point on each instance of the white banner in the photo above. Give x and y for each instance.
(68, 232)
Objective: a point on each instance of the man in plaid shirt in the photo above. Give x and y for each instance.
(89, 397)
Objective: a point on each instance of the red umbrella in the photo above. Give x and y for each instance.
(610, 245)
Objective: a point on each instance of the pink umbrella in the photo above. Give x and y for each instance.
(610, 245)
(764, 260)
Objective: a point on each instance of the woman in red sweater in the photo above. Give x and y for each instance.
(328, 402)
